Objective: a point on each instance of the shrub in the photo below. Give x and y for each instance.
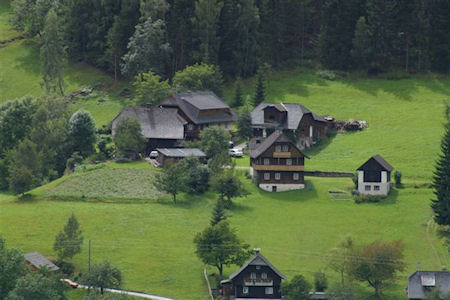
(66, 268)
(326, 74)
(398, 178)
(320, 281)
(367, 199)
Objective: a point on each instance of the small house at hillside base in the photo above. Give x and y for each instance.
(277, 164)
(37, 261)
(256, 279)
(162, 127)
(374, 177)
(421, 283)
(177, 154)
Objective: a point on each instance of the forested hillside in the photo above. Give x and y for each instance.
(128, 37)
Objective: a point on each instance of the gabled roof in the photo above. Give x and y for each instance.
(380, 160)
(257, 260)
(192, 103)
(181, 152)
(38, 261)
(419, 280)
(295, 113)
(156, 122)
(276, 136)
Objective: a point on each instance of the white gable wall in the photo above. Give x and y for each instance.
(384, 185)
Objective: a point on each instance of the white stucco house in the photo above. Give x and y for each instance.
(374, 177)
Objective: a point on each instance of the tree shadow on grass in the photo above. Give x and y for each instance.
(390, 199)
(321, 145)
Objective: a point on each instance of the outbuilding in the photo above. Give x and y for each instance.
(176, 154)
(37, 261)
(374, 176)
(422, 283)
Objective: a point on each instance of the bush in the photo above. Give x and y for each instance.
(367, 199)
(398, 178)
(320, 281)
(66, 268)
(123, 160)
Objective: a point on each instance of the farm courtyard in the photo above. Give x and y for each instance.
(151, 239)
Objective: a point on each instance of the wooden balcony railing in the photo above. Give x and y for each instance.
(278, 167)
(258, 282)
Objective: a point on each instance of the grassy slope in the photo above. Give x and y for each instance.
(20, 75)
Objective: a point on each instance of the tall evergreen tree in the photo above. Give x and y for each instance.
(218, 213)
(441, 178)
(361, 44)
(440, 37)
(148, 50)
(82, 133)
(53, 55)
(205, 23)
(260, 89)
(69, 240)
(238, 98)
(227, 32)
(382, 33)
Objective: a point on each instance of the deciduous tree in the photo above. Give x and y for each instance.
(199, 77)
(82, 133)
(296, 289)
(35, 286)
(12, 266)
(150, 89)
(171, 180)
(229, 186)
(219, 246)
(103, 275)
(244, 124)
(128, 137)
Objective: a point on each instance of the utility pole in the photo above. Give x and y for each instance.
(89, 256)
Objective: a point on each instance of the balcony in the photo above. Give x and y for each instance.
(258, 282)
(278, 167)
(282, 154)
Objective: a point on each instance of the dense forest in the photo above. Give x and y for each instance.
(129, 37)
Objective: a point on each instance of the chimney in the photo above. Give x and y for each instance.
(256, 250)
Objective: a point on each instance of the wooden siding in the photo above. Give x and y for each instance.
(286, 177)
(257, 291)
(278, 167)
(282, 154)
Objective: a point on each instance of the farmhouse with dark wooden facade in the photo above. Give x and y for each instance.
(293, 119)
(200, 110)
(256, 279)
(277, 163)
(374, 177)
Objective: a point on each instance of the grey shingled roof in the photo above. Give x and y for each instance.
(156, 122)
(380, 160)
(257, 260)
(181, 152)
(192, 103)
(276, 136)
(418, 280)
(39, 261)
(295, 113)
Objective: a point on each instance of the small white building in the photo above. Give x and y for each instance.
(374, 177)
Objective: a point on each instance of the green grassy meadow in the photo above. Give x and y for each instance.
(150, 238)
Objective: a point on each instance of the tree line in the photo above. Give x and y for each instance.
(129, 37)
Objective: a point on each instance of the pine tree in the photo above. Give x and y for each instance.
(238, 99)
(260, 90)
(360, 44)
(218, 213)
(441, 179)
(53, 55)
(69, 240)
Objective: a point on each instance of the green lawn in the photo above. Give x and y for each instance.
(6, 31)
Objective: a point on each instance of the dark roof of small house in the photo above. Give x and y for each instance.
(191, 103)
(156, 122)
(380, 160)
(421, 279)
(257, 260)
(39, 261)
(295, 113)
(276, 136)
(181, 152)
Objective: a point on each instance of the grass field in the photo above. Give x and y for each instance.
(151, 241)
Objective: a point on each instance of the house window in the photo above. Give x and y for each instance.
(263, 275)
(376, 187)
(190, 127)
(266, 161)
(269, 290)
(289, 161)
(295, 176)
(277, 176)
(266, 176)
(252, 275)
(367, 188)
(278, 148)
(245, 290)
(258, 267)
(285, 148)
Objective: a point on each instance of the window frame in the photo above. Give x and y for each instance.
(277, 176)
(268, 290)
(294, 175)
(278, 148)
(245, 290)
(285, 148)
(289, 162)
(266, 161)
(266, 176)
(367, 188)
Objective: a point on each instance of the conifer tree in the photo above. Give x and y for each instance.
(360, 44)
(260, 90)
(441, 179)
(69, 240)
(238, 99)
(53, 55)
(218, 213)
